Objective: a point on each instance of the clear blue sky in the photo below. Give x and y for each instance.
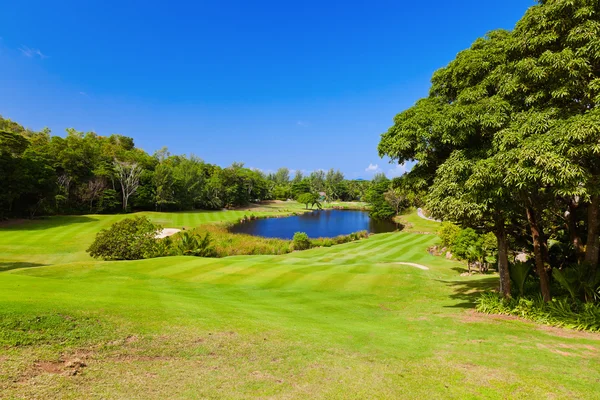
(305, 84)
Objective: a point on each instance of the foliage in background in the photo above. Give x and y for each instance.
(87, 173)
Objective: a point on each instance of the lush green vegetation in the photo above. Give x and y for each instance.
(506, 153)
(88, 173)
(333, 322)
(136, 239)
(506, 143)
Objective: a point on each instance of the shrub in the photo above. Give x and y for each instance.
(560, 312)
(129, 239)
(301, 241)
(448, 232)
(581, 280)
(518, 274)
(190, 244)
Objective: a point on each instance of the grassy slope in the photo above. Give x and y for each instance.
(414, 223)
(339, 322)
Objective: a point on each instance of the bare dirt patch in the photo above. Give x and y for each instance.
(471, 316)
(67, 366)
(568, 333)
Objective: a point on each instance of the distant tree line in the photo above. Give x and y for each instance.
(82, 172)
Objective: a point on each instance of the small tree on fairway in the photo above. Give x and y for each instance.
(129, 239)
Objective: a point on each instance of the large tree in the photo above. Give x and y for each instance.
(511, 124)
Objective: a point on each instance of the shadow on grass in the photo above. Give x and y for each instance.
(10, 265)
(44, 222)
(468, 291)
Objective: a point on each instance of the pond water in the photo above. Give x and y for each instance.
(321, 223)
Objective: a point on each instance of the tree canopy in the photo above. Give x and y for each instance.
(508, 139)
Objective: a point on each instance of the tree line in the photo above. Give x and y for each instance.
(508, 142)
(41, 173)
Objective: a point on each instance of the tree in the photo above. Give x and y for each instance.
(395, 198)
(298, 177)
(375, 196)
(334, 185)
(94, 189)
(309, 198)
(282, 176)
(129, 177)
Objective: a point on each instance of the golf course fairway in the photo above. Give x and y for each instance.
(343, 322)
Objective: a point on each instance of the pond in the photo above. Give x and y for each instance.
(321, 223)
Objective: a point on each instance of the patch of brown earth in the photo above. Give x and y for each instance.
(65, 366)
(568, 333)
(471, 316)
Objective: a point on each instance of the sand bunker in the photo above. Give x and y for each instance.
(413, 265)
(167, 232)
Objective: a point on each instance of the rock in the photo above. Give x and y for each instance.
(448, 255)
(521, 257)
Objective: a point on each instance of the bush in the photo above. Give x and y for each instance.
(561, 312)
(301, 241)
(580, 280)
(129, 239)
(190, 244)
(448, 232)
(328, 242)
(226, 243)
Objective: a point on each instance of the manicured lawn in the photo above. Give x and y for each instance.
(416, 224)
(339, 322)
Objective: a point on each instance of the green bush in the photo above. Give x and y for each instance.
(190, 244)
(580, 280)
(129, 239)
(518, 274)
(448, 233)
(328, 242)
(561, 312)
(301, 241)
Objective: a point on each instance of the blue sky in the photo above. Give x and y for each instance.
(307, 85)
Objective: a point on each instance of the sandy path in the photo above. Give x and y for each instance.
(167, 232)
(420, 214)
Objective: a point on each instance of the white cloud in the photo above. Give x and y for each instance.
(29, 52)
(398, 171)
(302, 124)
(372, 168)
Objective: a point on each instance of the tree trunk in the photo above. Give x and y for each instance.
(592, 248)
(538, 244)
(573, 234)
(500, 233)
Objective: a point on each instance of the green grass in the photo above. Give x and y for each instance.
(413, 223)
(339, 322)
